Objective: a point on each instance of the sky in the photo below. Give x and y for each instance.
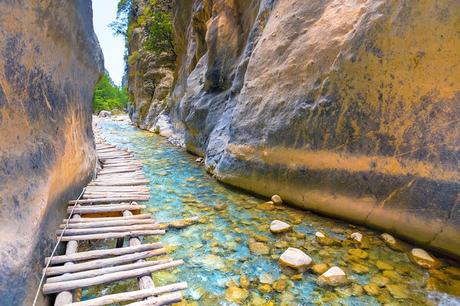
(113, 47)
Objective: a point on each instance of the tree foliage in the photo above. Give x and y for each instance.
(108, 96)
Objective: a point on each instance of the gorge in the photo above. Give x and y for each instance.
(346, 109)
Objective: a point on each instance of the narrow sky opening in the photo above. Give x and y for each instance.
(105, 12)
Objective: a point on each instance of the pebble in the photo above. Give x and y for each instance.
(280, 285)
(391, 242)
(371, 289)
(358, 253)
(244, 281)
(357, 236)
(266, 278)
(265, 288)
(324, 240)
(278, 226)
(381, 265)
(266, 206)
(320, 268)
(333, 277)
(296, 259)
(359, 268)
(398, 291)
(235, 294)
(259, 248)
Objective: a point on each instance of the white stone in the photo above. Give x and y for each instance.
(266, 278)
(388, 238)
(295, 259)
(278, 226)
(333, 277)
(277, 199)
(422, 254)
(319, 235)
(357, 236)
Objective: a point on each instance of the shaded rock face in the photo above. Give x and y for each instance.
(150, 75)
(49, 62)
(346, 107)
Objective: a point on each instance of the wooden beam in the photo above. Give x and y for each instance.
(106, 262)
(130, 296)
(108, 229)
(117, 207)
(141, 216)
(95, 254)
(106, 278)
(103, 271)
(75, 225)
(113, 235)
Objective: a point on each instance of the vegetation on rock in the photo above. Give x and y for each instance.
(108, 96)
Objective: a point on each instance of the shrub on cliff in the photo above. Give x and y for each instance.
(108, 96)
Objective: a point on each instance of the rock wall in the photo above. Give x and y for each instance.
(346, 107)
(49, 62)
(150, 74)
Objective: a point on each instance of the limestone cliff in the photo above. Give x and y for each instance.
(49, 62)
(150, 73)
(346, 107)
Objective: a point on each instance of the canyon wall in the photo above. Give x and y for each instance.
(150, 73)
(345, 107)
(49, 62)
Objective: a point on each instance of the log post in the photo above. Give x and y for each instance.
(66, 297)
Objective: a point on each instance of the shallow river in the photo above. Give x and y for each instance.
(216, 250)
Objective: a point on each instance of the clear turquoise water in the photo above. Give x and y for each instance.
(216, 250)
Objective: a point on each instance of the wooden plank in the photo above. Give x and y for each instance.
(105, 172)
(99, 219)
(107, 223)
(109, 208)
(106, 200)
(165, 299)
(106, 278)
(95, 254)
(136, 182)
(114, 235)
(66, 297)
(111, 229)
(103, 271)
(114, 195)
(130, 296)
(106, 262)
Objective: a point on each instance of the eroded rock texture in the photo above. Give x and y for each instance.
(49, 62)
(150, 74)
(345, 107)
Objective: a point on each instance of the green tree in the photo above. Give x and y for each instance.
(107, 96)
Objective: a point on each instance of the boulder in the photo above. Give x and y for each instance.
(278, 226)
(296, 259)
(333, 277)
(105, 114)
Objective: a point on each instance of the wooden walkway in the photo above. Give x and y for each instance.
(109, 209)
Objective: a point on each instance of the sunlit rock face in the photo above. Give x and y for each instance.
(349, 108)
(150, 75)
(49, 62)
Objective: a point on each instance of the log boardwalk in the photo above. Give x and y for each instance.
(107, 209)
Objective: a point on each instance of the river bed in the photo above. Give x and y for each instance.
(217, 254)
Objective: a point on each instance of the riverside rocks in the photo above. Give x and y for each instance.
(278, 227)
(333, 277)
(296, 259)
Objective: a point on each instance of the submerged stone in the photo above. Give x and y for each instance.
(357, 236)
(358, 253)
(278, 226)
(296, 259)
(398, 291)
(236, 294)
(244, 281)
(391, 242)
(359, 268)
(324, 240)
(320, 268)
(371, 289)
(267, 206)
(265, 288)
(259, 248)
(382, 265)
